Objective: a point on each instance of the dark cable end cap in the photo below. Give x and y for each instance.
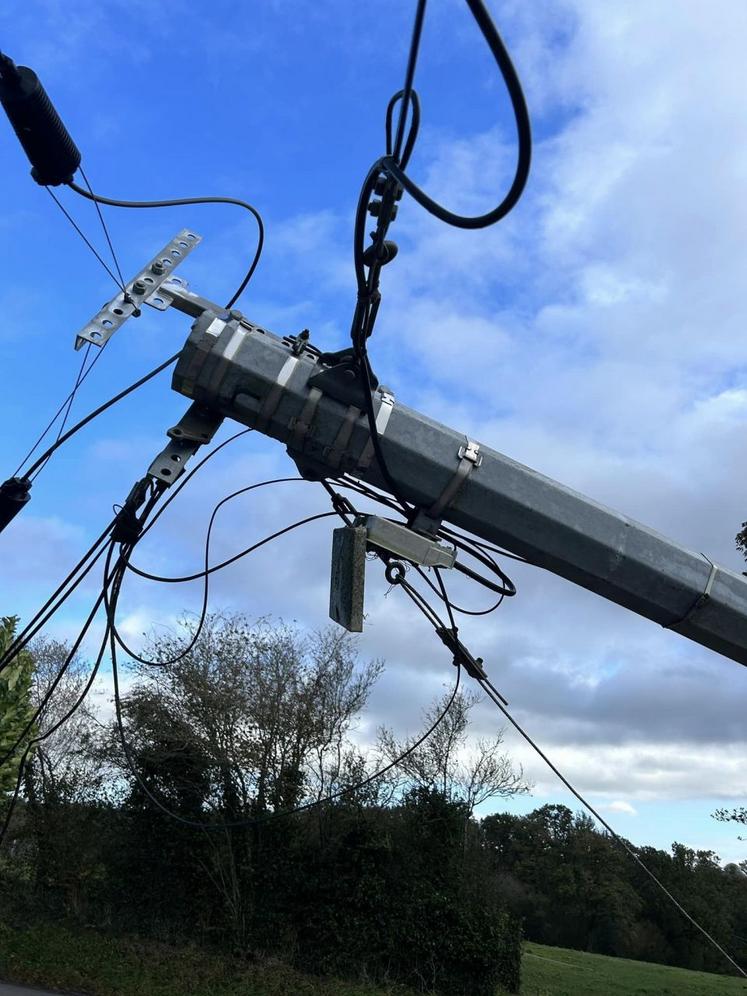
(14, 494)
(9, 73)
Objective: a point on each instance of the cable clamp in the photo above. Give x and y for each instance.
(699, 603)
(470, 458)
(127, 527)
(472, 665)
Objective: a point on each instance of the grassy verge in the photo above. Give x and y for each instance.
(99, 965)
(560, 972)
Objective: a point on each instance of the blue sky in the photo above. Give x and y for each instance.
(596, 335)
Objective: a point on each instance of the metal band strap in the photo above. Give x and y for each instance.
(469, 458)
(337, 450)
(275, 393)
(699, 602)
(225, 356)
(300, 425)
(214, 329)
(386, 407)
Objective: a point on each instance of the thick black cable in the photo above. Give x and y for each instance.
(458, 608)
(237, 556)
(181, 201)
(390, 166)
(100, 410)
(412, 134)
(407, 90)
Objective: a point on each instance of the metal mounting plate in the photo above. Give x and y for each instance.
(142, 289)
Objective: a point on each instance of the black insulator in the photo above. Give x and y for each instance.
(53, 154)
(14, 494)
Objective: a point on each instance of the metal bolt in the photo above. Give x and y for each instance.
(139, 287)
(157, 268)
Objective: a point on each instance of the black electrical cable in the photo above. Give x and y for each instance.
(523, 130)
(237, 556)
(186, 478)
(181, 201)
(409, 77)
(453, 605)
(67, 405)
(388, 177)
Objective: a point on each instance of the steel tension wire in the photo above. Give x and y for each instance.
(397, 578)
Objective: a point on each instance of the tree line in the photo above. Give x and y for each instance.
(238, 811)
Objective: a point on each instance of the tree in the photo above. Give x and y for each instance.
(252, 720)
(16, 707)
(445, 764)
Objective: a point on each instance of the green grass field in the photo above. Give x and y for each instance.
(560, 972)
(89, 962)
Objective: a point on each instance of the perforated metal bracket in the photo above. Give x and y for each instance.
(196, 427)
(142, 289)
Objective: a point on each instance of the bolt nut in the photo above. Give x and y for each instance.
(139, 287)
(374, 208)
(158, 268)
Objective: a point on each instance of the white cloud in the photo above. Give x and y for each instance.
(620, 806)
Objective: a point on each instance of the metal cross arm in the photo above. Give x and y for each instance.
(282, 387)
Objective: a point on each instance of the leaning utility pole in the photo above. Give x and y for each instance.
(312, 402)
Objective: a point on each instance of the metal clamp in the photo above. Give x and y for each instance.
(702, 599)
(140, 290)
(429, 520)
